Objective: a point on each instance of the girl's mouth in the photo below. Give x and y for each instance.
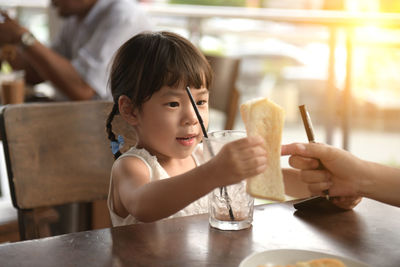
(186, 141)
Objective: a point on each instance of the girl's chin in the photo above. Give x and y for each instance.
(186, 152)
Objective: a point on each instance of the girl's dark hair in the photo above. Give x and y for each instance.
(150, 60)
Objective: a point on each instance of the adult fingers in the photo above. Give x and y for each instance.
(292, 149)
(317, 180)
(318, 188)
(312, 150)
(303, 163)
(315, 176)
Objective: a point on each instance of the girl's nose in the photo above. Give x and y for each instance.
(189, 117)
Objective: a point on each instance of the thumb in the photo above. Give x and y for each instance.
(310, 150)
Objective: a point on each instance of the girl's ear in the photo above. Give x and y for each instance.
(127, 111)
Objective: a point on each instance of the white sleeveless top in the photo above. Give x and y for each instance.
(157, 172)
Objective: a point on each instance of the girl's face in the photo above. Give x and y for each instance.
(167, 125)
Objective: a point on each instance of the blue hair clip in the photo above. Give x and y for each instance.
(117, 145)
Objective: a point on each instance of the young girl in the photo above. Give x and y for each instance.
(161, 176)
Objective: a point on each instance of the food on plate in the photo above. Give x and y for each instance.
(324, 262)
(265, 118)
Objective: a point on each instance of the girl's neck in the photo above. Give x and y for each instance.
(177, 166)
(173, 166)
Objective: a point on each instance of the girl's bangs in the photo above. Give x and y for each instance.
(194, 72)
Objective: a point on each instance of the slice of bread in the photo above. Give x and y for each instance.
(264, 118)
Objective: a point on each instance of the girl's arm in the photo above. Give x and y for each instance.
(150, 201)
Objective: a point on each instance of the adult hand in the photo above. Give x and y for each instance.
(346, 203)
(340, 176)
(10, 30)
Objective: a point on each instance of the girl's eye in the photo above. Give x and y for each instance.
(173, 104)
(201, 102)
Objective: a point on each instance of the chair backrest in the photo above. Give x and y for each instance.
(58, 153)
(223, 93)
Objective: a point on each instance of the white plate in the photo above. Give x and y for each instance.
(291, 256)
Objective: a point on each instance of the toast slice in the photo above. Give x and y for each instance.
(265, 118)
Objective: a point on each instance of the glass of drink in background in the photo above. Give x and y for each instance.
(12, 86)
(229, 207)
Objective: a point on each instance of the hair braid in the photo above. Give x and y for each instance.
(111, 135)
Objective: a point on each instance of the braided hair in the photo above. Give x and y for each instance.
(149, 61)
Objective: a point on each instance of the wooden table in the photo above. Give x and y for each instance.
(369, 233)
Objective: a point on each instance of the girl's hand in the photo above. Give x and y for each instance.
(240, 159)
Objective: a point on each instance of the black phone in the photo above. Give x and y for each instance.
(318, 204)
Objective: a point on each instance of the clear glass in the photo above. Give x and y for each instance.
(229, 207)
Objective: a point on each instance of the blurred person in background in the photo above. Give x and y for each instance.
(77, 62)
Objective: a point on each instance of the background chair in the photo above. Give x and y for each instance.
(57, 153)
(224, 96)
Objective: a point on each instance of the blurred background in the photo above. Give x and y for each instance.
(340, 58)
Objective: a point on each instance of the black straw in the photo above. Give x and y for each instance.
(197, 112)
(226, 196)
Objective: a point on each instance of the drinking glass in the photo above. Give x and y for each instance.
(230, 207)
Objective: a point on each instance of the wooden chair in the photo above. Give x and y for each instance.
(56, 153)
(223, 93)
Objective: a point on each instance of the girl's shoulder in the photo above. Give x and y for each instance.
(141, 153)
(135, 160)
(155, 169)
